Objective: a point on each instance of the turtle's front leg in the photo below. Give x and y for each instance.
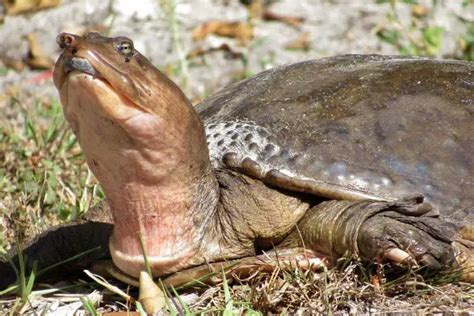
(386, 231)
(212, 272)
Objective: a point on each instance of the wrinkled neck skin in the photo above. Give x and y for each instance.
(154, 170)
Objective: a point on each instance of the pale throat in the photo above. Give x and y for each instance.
(172, 223)
(157, 215)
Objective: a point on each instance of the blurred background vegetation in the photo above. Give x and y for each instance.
(422, 35)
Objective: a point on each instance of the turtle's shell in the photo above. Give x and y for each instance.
(388, 126)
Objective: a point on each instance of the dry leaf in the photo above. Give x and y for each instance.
(241, 31)
(255, 8)
(375, 281)
(229, 53)
(259, 9)
(37, 59)
(15, 7)
(419, 11)
(294, 21)
(13, 63)
(465, 259)
(121, 314)
(302, 42)
(151, 297)
(467, 232)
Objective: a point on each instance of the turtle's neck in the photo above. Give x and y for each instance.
(171, 220)
(146, 145)
(154, 169)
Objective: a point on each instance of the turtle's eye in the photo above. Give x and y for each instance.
(124, 46)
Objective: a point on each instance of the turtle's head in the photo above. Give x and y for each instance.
(114, 97)
(113, 61)
(110, 68)
(142, 139)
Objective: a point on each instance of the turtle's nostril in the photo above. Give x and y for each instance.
(65, 39)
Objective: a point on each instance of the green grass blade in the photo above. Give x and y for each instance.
(21, 274)
(145, 257)
(169, 303)
(140, 309)
(183, 304)
(229, 303)
(89, 306)
(32, 278)
(31, 132)
(9, 290)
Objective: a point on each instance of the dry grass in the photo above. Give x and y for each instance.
(352, 288)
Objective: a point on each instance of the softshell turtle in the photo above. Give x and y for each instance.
(370, 155)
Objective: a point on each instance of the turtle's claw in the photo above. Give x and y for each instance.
(429, 261)
(405, 243)
(402, 257)
(399, 256)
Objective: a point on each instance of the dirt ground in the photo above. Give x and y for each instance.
(204, 45)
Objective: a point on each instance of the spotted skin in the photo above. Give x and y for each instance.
(253, 150)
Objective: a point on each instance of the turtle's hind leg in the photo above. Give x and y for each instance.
(399, 231)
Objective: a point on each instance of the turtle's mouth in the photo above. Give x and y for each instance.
(111, 80)
(77, 75)
(81, 64)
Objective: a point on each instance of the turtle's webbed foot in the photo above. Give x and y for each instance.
(400, 238)
(431, 242)
(401, 231)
